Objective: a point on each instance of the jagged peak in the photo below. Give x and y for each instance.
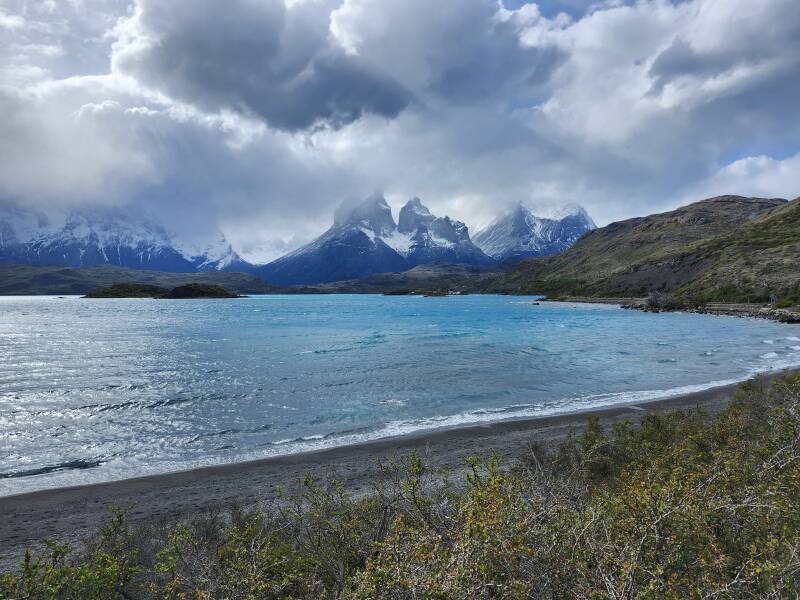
(519, 231)
(373, 213)
(556, 213)
(417, 206)
(413, 215)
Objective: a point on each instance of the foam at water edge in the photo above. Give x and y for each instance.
(483, 416)
(401, 428)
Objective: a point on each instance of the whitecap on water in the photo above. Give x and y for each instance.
(769, 341)
(390, 402)
(770, 355)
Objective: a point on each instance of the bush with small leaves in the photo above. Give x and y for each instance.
(682, 506)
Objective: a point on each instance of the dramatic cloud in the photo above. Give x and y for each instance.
(261, 116)
(259, 57)
(457, 53)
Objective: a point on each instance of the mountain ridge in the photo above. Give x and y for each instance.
(364, 240)
(97, 237)
(518, 233)
(698, 250)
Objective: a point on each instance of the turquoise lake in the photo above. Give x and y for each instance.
(94, 390)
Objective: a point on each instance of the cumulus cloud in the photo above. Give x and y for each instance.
(457, 52)
(759, 176)
(260, 57)
(263, 115)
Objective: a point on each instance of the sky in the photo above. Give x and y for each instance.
(259, 117)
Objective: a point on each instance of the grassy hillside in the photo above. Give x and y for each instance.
(26, 280)
(682, 507)
(758, 259)
(727, 247)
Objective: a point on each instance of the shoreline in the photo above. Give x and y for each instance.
(719, 309)
(72, 513)
(518, 413)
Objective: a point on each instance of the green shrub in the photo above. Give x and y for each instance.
(681, 506)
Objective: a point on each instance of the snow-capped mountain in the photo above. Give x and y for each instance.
(365, 239)
(520, 234)
(97, 237)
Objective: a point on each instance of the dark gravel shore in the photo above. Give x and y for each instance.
(75, 512)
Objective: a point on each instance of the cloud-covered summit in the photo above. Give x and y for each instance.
(259, 116)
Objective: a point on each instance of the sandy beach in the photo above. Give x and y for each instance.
(75, 512)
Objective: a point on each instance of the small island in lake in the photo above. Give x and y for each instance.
(142, 290)
(200, 290)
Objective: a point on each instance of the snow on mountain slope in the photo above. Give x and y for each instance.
(520, 234)
(104, 237)
(364, 239)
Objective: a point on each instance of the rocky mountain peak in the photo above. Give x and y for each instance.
(373, 214)
(365, 240)
(413, 215)
(450, 230)
(520, 234)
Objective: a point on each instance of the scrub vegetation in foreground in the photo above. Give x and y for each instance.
(684, 506)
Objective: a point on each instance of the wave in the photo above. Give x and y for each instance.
(232, 431)
(237, 445)
(103, 407)
(70, 465)
(398, 428)
(507, 413)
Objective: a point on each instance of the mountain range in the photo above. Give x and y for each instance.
(108, 236)
(726, 248)
(363, 240)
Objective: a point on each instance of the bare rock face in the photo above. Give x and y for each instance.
(414, 215)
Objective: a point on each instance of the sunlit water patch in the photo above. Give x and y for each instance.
(93, 390)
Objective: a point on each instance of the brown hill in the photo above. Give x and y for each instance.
(728, 247)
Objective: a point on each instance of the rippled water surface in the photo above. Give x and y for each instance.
(92, 390)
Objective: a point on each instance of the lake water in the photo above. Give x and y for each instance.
(93, 390)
